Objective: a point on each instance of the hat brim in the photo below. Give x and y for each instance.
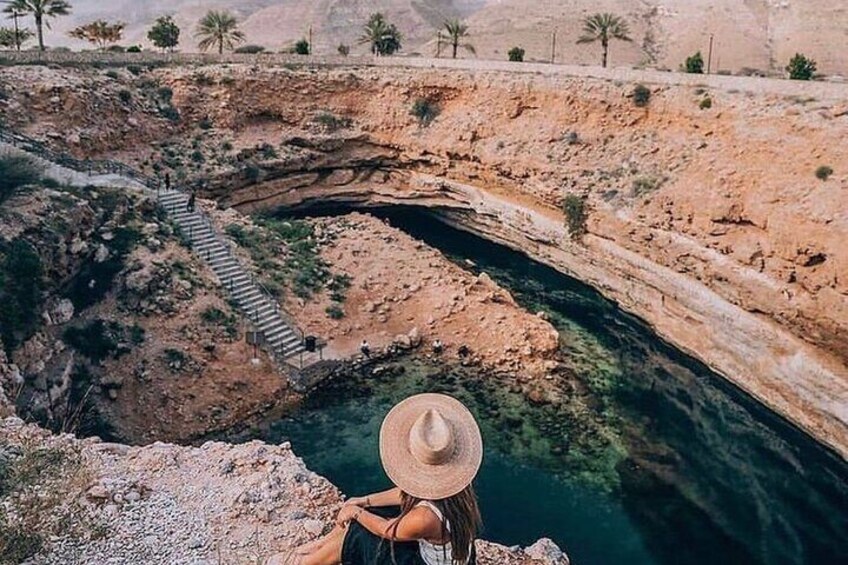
(430, 482)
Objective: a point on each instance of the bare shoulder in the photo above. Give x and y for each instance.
(420, 522)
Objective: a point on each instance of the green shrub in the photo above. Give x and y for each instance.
(268, 152)
(170, 113)
(175, 358)
(125, 96)
(249, 49)
(516, 54)
(425, 110)
(641, 95)
(576, 215)
(824, 172)
(217, 317)
(50, 182)
(335, 312)
(331, 122)
(252, 172)
(205, 124)
(706, 103)
(227, 146)
(165, 94)
(695, 64)
(16, 172)
(646, 185)
(17, 542)
(20, 292)
(202, 79)
(197, 157)
(343, 50)
(134, 49)
(801, 68)
(137, 334)
(113, 75)
(302, 47)
(93, 280)
(135, 70)
(97, 340)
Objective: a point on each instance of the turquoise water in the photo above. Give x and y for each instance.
(649, 458)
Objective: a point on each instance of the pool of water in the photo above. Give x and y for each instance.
(667, 464)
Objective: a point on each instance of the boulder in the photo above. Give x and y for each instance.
(61, 312)
(546, 551)
(101, 254)
(415, 337)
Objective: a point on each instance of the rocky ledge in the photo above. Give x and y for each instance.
(67, 500)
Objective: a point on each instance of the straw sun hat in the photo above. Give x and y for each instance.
(430, 446)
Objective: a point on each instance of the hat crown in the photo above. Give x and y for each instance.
(431, 438)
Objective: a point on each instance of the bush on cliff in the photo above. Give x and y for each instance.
(641, 95)
(20, 292)
(695, 64)
(516, 55)
(824, 172)
(426, 111)
(801, 68)
(16, 172)
(576, 215)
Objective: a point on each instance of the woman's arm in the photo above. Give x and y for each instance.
(417, 524)
(389, 497)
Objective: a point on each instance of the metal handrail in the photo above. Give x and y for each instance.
(88, 166)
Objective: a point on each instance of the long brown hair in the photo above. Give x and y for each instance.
(460, 511)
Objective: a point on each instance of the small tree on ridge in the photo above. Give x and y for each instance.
(457, 31)
(801, 68)
(99, 32)
(165, 34)
(603, 28)
(218, 29)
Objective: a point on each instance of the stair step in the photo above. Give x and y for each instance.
(282, 341)
(210, 248)
(226, 274)
(236, 284)
(272, 325)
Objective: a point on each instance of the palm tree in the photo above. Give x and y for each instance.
(383, 37)
(40, 9)
(603, 27)
(457, 31)
(218, 28)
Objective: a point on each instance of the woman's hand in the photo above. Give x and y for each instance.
(348, 513)
(361, 501)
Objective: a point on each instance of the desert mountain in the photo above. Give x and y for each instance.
(758, 34)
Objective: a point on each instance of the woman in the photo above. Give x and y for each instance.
(431, 448)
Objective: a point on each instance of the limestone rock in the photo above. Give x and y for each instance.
(547, 552)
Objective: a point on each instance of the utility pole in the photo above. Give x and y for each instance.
(15, 16)
(438, 44)
(310, 41)
(710, 55)
(553, 47)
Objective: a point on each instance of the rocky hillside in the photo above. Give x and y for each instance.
(695, 223)
(752, 34)
(112, 321)
(70, 501)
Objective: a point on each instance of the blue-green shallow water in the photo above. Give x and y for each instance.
(690, 470)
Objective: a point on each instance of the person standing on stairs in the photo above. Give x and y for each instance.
(191, 201)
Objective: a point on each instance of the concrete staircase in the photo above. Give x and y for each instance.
(281, 338)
